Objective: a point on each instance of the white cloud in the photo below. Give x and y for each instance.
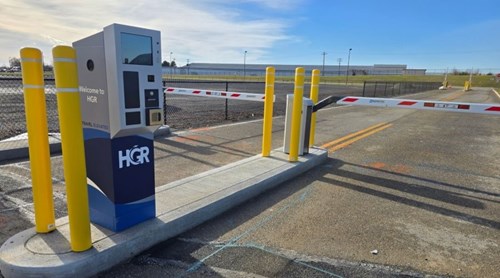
(202, 31)
(276, 4)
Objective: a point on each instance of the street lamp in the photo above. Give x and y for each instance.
(339, 60)
(323, 70)
(171, 64)
(347, 72)
(244, 64)
(173, 68)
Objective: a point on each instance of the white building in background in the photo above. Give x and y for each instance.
(289, 70)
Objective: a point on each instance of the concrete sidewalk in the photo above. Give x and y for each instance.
(180, 206)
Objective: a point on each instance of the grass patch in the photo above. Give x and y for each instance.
(454, 80)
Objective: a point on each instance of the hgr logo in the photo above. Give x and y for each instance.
(133, 156)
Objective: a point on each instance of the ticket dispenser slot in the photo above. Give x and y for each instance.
(119, 71)
(154, 114)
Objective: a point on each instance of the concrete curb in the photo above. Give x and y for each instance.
(23, 152)
(55, 147)
(28, 254)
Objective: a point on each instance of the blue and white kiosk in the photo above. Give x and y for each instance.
(119, 71)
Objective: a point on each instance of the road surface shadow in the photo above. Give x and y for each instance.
(418, 190)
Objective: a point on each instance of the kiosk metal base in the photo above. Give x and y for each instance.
(120, 178)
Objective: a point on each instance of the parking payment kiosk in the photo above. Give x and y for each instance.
(119, 71)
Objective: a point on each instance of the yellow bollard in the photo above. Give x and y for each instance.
(298, 94)
(38, 138)
(466, 86)
(70, 121)
(267, 125)
(314, 98)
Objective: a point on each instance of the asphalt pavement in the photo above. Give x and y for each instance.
(403, 193)
(417, 198)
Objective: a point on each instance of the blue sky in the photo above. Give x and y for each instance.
(427, 34)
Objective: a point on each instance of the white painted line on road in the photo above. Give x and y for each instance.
(21, 206)
(21, 166)
(26, 181)
(284, 209)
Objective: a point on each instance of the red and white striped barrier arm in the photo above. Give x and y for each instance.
(216, 94)
(481, 108)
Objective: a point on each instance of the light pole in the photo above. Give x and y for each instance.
(244, 64)
(347, 71)
(171, 64)
(323, 70)
(339, 60)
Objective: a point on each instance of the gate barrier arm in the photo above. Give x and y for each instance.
(216, 94)
(480, 108)
(325, 102)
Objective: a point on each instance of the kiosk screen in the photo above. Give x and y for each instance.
(136, 49)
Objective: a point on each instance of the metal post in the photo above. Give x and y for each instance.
(364, 87)
(70, 122)
(470, 80)
(314, 98)
(244, 64)
(171, 74)
(347, 71)
(298, 94)
(323, 70)
(339, 60)
(164, 108)
(38, 139)
(226, 102)
(267, 125)
(445, 82)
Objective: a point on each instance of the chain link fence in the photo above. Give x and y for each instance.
(182, 112)
(389, 89)
(185, 112)
(12, 113)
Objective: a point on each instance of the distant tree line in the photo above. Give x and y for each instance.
(458, 72)
(15, 63)
(167, 64)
